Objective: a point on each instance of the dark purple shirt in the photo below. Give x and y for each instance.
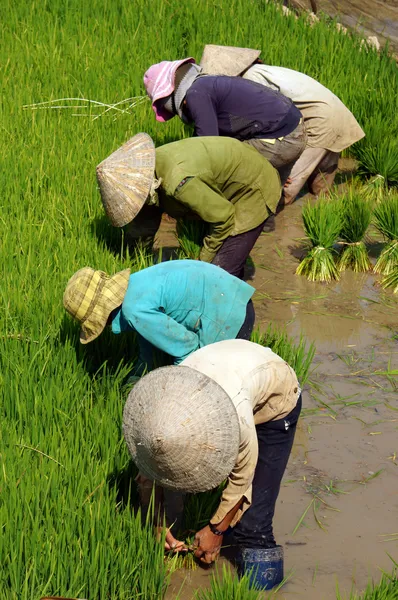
(239, 108)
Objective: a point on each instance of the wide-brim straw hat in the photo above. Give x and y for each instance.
(227, 60)
(125, 179)
(182, 429)
(90, 297)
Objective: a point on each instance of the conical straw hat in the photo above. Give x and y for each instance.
(125, 179)
(182, 429)
(227, 60)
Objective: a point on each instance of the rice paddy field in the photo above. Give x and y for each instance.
(67, 492)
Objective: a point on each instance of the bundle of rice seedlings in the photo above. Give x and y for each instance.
(356, 215)
(391, 280)
(297, 354)
(322, 226)
(190, 236)
(386, 221)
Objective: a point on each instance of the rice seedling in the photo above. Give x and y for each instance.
(190, 236)
(322, 223)
(229, 586)
(356, 215)
(386, 589)
(299, 355)
(68, 525)
(391, 280)
(386, 221)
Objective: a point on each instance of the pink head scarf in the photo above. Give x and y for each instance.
(159, 83)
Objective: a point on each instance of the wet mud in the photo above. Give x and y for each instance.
(344, 464)
(373, 17)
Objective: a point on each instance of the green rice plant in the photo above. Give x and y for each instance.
(190, 236)
(391, 280)
(322, 222)
(231, 587)
(298, 355)
(387, 589)
(67, 501)
(356, 215)
(377, 152)
(199, 508)
(386, 221)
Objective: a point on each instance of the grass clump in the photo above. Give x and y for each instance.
(322, 224)
(386, 221)
(190, 236)
(297, 354)
(356, 215)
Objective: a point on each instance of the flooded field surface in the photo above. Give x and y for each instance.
(343, 472)
(371, 16)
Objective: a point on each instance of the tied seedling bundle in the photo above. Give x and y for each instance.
(386, 221)
(391, 280)
(322, 225)
(356, 215)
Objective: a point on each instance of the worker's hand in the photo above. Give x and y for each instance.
(287, 182)
(207, 545)
(174, 545)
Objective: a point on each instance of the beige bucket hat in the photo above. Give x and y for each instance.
(90, 297)
(181, 429)
(125, 179)
(227, 60)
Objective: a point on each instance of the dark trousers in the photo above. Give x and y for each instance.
(275, 441)
(245, 331)
(235, 250)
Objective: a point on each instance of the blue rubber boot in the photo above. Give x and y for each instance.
(263, 566)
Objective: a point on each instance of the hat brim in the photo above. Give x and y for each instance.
(110, 297)
(227, 60)
(125, 179)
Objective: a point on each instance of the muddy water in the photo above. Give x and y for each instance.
(374, 17)
(348, 431)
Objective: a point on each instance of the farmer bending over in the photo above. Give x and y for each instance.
(330, 126)
(229, 411)
(228, 106)
(226, 184)
(177, 306)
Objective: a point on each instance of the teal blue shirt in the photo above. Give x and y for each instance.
(182, 305)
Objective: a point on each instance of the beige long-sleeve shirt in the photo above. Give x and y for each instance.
(262, 387)
(329, 123)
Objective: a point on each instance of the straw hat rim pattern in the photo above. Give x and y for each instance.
(91, 296)
(182, 429)
(125, 179)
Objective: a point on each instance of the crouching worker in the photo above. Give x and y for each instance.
(330, 126)
(228, 106)
(226, 184)
(176, 306)
(229, 411)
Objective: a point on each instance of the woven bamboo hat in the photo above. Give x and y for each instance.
(125, 179)
(182, 429)
(227, 60)
(90, 297)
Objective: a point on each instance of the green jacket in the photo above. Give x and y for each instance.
(225, 182)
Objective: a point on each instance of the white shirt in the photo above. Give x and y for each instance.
(262, 387)
(328, 121)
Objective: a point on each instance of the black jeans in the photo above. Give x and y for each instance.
(275, 441)
(233, 253)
